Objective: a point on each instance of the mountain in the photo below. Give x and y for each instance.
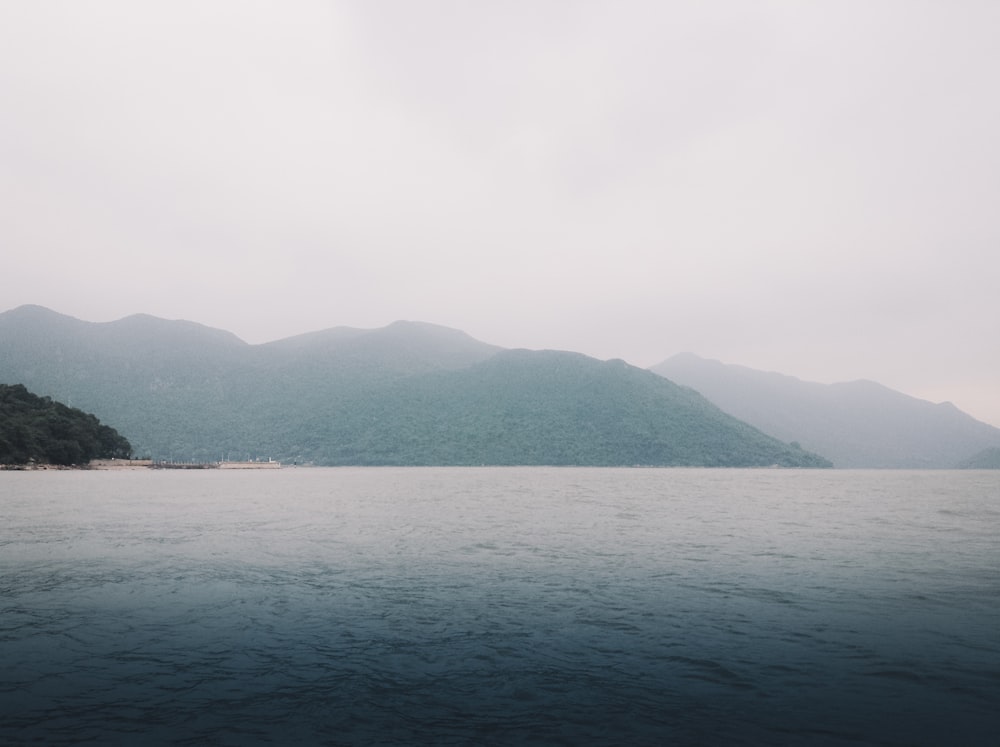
(37, 429)
(410, 393)
(857, 424)
(552, 407)
(985, 459)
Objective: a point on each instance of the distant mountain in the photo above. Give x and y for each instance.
(854, 424)
(985, 459)
(410, 393)
(552, 407)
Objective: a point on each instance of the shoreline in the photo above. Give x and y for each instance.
(137, 464)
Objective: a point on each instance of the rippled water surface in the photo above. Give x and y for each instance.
(500, 606)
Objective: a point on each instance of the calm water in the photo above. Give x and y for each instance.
(500, 606)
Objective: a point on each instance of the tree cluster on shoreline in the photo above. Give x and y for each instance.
(40, 430)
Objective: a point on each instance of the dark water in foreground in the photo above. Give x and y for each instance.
(500, 606)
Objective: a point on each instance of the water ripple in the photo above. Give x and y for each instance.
(460, 607)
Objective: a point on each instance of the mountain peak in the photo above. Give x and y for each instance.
(34, 313)
(859, 423)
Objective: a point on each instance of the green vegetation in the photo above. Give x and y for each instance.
(544, 408)
(406, 394)
(36, 429)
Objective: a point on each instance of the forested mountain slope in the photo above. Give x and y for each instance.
(409, 393)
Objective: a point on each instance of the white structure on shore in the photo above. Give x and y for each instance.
(269, 464)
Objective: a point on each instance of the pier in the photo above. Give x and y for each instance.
(269, 464)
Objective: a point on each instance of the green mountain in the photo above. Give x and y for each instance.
(37, 429)
(407, 394)
(859, 424)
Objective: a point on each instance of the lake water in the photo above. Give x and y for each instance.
(500, 606)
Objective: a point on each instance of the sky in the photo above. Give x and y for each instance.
(804, 187)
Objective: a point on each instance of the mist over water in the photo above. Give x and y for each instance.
(500, 606)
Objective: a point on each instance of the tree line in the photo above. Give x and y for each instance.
(39, 429)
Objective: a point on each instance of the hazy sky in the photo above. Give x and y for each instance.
(806, 187)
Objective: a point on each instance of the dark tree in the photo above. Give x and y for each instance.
(34, 428)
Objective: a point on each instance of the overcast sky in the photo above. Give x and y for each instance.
(804, 187)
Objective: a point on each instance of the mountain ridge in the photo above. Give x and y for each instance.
(407, 393)
(856, 424)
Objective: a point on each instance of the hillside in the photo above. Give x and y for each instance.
(985, 459)
(37, 429)
(410, 393)
(857, 424)
(545, 407)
